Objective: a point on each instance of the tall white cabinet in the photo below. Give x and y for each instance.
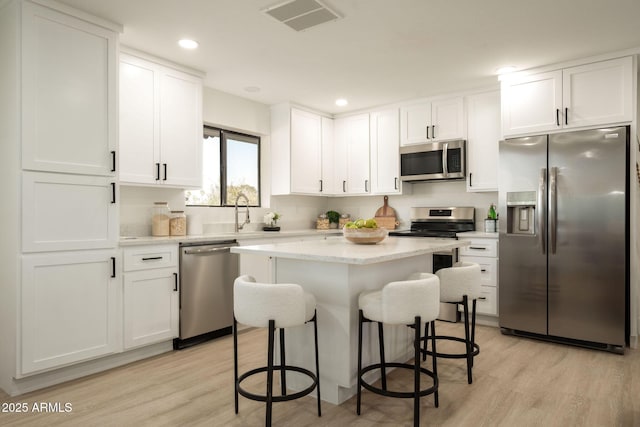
(60, 287)
(351, 153)
(385, 152)
(483, 135)
(160, 123)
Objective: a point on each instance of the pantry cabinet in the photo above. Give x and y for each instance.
(593, 94)
(351, 151)
(151, 294)
(483, 135)
(385, 152)
(160, 123)
(435, 120)
(69, 308)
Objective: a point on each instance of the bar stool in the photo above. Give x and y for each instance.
(458, 285)
(273, 306)
(408, 303)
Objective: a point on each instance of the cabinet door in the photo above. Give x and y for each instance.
(139, 121)
(483, 134)
(180, 129)
(69, 308)
(68, 94)
(598, 93)
(385, 152)
(328, 173)
(151, 311)
(341, 160)
(68, 212)
(531, 103)
(358, 154)
(306, 152)
(414, 121)
(447, 119)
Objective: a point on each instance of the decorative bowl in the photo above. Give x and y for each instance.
(365, 236)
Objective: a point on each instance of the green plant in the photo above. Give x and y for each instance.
(333, 216)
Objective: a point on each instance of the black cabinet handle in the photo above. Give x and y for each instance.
(344, 188)
(113, 192)
(477, 248)
(113, 161)
(165, 171)
(482, 298)
(366, 185)
(395, 183)
(321, 186)
(157, 171)
(113, 267)
(566, 115)
(427, 132)
(470, 179)
(433, 131)
(557, 117)
(483, 270)
(175, 283)
(152, 258)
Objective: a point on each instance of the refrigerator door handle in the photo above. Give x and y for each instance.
(553, 210)
(542, 232)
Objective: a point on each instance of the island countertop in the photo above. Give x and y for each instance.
(339, 250)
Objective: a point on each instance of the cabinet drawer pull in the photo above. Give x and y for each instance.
(483, 270)
(113, 161)
(165, 171)
(483, 298)
(152, 258)
(395, 183)
(113, 192)
(557, 117)
(113, 267)
(157, 171)
(366, 185)
(477, 248)
(470, 177)
(427, 132)
(321, 186)
(344, 188)
(175, 283)
(433, 131)
(566, 115)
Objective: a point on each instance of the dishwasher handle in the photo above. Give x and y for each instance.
(207, 251)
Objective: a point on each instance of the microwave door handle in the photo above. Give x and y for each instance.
(445, 170)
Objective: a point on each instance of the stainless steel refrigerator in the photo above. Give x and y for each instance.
(563, 209)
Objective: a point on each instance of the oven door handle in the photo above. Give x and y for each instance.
(445, 169)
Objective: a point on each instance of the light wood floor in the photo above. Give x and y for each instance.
(517, 382)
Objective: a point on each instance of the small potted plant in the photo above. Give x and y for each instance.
(270, 220)
(334, 219)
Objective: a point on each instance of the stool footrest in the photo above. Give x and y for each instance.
(476, 348)
(400, 394)
(279, 398)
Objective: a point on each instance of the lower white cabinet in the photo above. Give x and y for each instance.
(484, 252)
(151, 295)
(70, 308)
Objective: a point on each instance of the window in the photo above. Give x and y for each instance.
(231, 165)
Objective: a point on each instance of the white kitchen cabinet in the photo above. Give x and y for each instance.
(160, 124)
(484, 251)
(69, 109)
(352, 156)
(301, 151)
(483, 135)
(587, 95)
(151, 295)
(385, 152)
(68, 212)
(70, 308)
(436, 120)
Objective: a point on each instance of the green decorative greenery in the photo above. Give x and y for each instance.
(333, 216)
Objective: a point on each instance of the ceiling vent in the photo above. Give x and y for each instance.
(302, 14)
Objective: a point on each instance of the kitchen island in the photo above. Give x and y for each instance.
(336, 272)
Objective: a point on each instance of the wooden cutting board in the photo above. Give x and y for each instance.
(386, 216)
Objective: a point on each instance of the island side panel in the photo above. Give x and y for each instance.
(336, 287)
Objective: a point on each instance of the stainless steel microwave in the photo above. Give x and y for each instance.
(433, 161)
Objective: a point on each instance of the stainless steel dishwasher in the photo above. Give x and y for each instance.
(207, 272)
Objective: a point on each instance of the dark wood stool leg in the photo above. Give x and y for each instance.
(270, 352)
(360, 316)
(434, 364)
(235, 361)
(315, 335)
(467, 338)
(424, 347)
(383, 370)
(416, 374)
(283, 376)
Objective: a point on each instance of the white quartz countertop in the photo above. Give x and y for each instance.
(242, 235)
(339, 250)
(477, 234)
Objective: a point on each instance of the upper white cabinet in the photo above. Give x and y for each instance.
(301, 152)
(160, 124)
(593, 94)
(437, 120)
(351, 151)
(385, 152)
(68, 93)
(483, 134)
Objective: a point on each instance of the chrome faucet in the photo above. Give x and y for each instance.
(247, 220)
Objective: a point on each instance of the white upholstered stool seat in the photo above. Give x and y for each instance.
(459, 284)
(277, 305)
(408, 302)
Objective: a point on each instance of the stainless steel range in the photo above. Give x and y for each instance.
(445, 222)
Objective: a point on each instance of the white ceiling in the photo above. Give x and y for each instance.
(382, 51)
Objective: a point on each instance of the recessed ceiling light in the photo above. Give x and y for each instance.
(505, 70)
(341, 102)
(188, 44)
